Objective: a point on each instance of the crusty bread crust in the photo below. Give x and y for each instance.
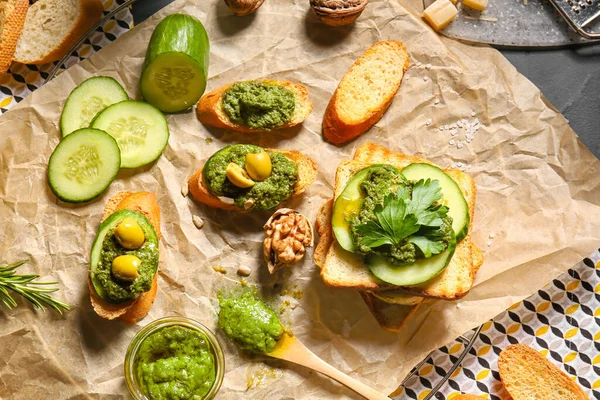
(526, 374)
(90, 12)
(131, 311)
(307, 174)
(11, 28)
(338, 127)
(344, 270)
(391, 317)
(210, 112)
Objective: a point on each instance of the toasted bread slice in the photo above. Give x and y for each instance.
(12, 19)
(307, 173)
(345, 270)
(391, 317)
(210, 110)
(131, 311)
(365, 92)
(526, 374)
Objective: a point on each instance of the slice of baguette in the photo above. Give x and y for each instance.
(346, 270)
(307, 173)
(52, 27)
(526, 375)
(391, 317)
(210, 110)
(365, 92)
(12, 19)
(131, 311)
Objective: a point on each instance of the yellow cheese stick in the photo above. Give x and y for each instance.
(476, 4)
(440, 14)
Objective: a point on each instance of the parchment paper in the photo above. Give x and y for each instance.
(538, 204)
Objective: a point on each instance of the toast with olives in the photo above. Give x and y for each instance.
(131, 311)
(210, 107)
(345, 270)
(307, 173)
(365, 92)
(526, 374)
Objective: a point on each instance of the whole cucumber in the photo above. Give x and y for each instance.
(176, 66)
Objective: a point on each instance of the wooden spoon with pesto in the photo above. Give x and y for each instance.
(251, 324)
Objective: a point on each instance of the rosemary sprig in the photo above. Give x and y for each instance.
(34, 292)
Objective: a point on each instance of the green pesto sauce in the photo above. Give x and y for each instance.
(249, 322)
(175, 363)
(259, 105)
(115, 290)
(379, 183)
(263, 195)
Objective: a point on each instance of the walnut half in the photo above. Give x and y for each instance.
(287, 235)
(338, 12)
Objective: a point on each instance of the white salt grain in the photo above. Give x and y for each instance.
(451, 142)
(428, 122)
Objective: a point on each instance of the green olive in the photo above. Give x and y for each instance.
(238, 176)
(258, 165)
(126, 267)
(129, 234)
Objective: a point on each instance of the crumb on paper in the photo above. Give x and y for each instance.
(220, 269)
(208, 140)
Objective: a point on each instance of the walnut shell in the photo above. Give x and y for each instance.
(287, 235)
(338, 12)
(243, 7)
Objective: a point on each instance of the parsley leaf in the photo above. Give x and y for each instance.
(408, 217)
(393, 223)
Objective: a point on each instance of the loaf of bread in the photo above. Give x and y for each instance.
(365, 92)
(12, 19)
(52, 27)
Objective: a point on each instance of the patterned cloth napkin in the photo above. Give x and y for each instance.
(21, 79)
(562, 321)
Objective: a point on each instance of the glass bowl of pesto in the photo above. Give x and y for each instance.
(174, 358)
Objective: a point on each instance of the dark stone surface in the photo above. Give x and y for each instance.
(568, 77)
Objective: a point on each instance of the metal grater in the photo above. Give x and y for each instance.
(579, 14)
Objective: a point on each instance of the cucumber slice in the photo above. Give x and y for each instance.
(176, 66)
(422, 270)
(148, 252)
(87, 100)
(347, 203)
(140, 129)
(83, 165)
(453, 196)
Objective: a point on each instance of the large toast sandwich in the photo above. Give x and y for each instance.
(343, 269)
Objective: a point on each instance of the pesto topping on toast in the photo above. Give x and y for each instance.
(263, 195)
(400, 220)
(259, 105)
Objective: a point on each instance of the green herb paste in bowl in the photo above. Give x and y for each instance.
(174, 358)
